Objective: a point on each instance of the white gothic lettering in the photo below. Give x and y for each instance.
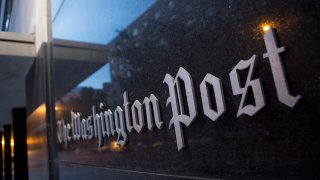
(182, 101)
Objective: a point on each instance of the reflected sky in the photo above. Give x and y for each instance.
(98, 78)
(94, 21)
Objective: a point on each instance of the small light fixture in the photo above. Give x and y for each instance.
(266, 27)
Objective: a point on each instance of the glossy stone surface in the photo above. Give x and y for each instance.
(205, 37)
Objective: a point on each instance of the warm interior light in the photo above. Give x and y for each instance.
(12, 142)
(41, 108)
(114, 146)
(12, 145)
(2, 142)
(266, 27)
